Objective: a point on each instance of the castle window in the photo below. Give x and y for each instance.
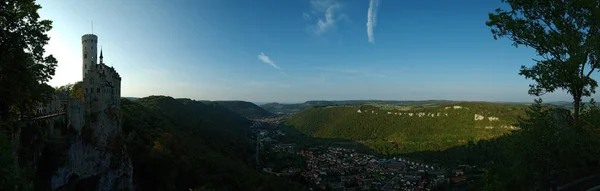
(85, 55)
(98, 90)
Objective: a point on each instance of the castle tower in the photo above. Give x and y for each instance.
(89, 51)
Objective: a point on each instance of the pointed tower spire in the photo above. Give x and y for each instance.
(101, 57)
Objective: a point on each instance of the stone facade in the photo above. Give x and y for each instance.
(101, 83)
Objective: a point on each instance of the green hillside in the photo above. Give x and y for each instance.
(244, 108)
(395, 131)
(177, 144)
(384, 104)
(292, 108)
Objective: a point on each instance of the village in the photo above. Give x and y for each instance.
(337, 168)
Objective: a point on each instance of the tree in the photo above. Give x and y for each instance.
(77, 90)
(24, 70)
(565, 35)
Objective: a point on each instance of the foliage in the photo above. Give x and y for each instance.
(24, 70)
(395, 134)
(293, 108)
(527, 158)
(11, 176)
(77, 90)
(590, 116)
(546, 149)
(178, 144)
(565, 34)
(245, 109)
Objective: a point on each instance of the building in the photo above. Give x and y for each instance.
(101, 83)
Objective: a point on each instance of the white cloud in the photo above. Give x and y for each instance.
(267, 60)
(328, 14)
(306, 16)
(372, 19)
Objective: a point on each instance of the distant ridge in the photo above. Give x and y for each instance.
(275, 107)
(131, 98)
(244, 108)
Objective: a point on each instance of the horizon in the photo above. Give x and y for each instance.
(286, 52)
(259, 103)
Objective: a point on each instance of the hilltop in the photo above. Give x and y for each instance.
(394, 131)
(244, 108)
(385, 104)
(292, 108)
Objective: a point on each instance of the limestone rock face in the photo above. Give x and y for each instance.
(97, 156)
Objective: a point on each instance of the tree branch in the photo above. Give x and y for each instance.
(592, 70)
(549, 26)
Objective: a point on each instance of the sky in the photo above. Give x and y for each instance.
(294, 50)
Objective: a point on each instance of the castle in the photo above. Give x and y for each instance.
(101, 85)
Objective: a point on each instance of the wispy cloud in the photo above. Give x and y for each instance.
(372, 19)
(306, 16)
(268, 60)
(328, 14)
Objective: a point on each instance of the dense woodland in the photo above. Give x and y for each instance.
(297, 107)
(395, 134)
(178, 144)
(244, 108)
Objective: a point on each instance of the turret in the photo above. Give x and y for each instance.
(101, 57)
(89, 51)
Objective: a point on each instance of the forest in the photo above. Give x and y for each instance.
(244, 108)
(178, 144)
(395, 134)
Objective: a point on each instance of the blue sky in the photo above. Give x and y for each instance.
(294, 50)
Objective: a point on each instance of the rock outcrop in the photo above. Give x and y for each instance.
(97, 157)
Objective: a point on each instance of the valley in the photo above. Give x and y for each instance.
(172, 107)
(364, 147)
(330, 164)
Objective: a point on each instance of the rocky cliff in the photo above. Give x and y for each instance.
(96, 158)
